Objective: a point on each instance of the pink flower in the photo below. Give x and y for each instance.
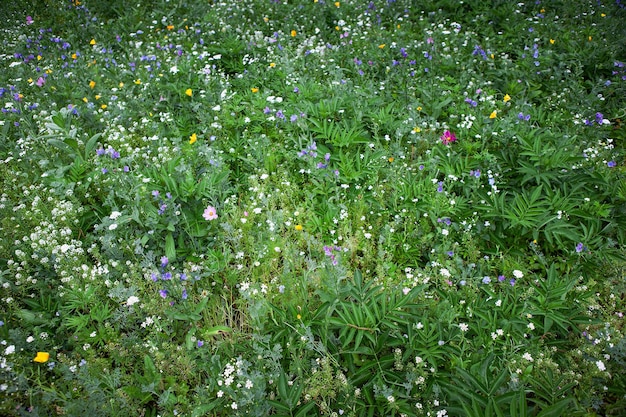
(29, 20)
(40, 82)
(210, 213)
(448, 137)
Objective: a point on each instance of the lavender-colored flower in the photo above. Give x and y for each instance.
(164, 261)
(486, 280)
(611, 164)
(163, 293)
(579, 247)
(599, 118)
(184, 295)
(200, 343)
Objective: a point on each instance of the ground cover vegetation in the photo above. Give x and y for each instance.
(298, 208)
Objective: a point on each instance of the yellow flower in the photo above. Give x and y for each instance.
(189, 92)
(299, 317)
(92, 42)
(48, 71)
(42, 357)
(337, 4)
(266, 19)
(416, 130)
(391, 159)
(293, 33)
(30, 80)
(74, 56)
(85, 99)
(419, 108)
(121, 85)
(603, 14)
(254, 90)
(492, 56)
(138, 81)
(507, 98)
(381, 46)
(92, 84)
(170, 27)
(39, 57)
(192, 139)
(552, 41)
(272, 64)
(103, 107)
(298, 227)
(98, 96)
(590, 38)
(493, 114)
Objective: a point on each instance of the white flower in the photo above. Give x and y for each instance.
(114, 215)
(132, 300)
(29, 339)
(464, 327)
(528, 357)
(220, 393)
(233, 405)
(113, 226)
(9, 350)
(444, 272)
(601, 366)
(518, 274)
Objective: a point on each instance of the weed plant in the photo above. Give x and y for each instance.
(299, 208)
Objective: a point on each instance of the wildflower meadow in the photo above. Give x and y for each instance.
(312, 208)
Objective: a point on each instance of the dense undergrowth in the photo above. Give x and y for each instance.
(299, 208)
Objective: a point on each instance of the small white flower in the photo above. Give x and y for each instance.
(9, 350)
(528, 357)
(29, 339)
(113, 226)
(233, 405)
(114, 215)
(601, 366)
(132, 300)
(464, 327)
(518, 274)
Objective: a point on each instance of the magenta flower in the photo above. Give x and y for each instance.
(210, 213)
(40, 82)
(448, 137)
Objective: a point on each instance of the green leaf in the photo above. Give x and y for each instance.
(170, 247)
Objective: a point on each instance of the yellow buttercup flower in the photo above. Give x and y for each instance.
(493, 114)
(92, 84)
(381, 46)
(189, 92)
(254, 90)
(103, 107)
(552, 41)
(92, 42)
(98, 96)
(137, 81)
(42, 357)
(507, 98)
(293, 33)
(272, 64)
(298, 227)
(193, 138)
(337, 4)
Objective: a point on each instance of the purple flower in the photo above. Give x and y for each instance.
(40, 82)
(184, 296)
(163, 293)
(155, 193)
(486, 280)
(154, 277)
(200, 343)
(166, 276)
(599, 118)
(579, 247)
(501, 278)
(164, 260)
(512, 282)
(611, 164)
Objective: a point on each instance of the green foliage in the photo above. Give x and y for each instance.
(253, 208)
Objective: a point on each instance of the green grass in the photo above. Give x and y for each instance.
(312, 208)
